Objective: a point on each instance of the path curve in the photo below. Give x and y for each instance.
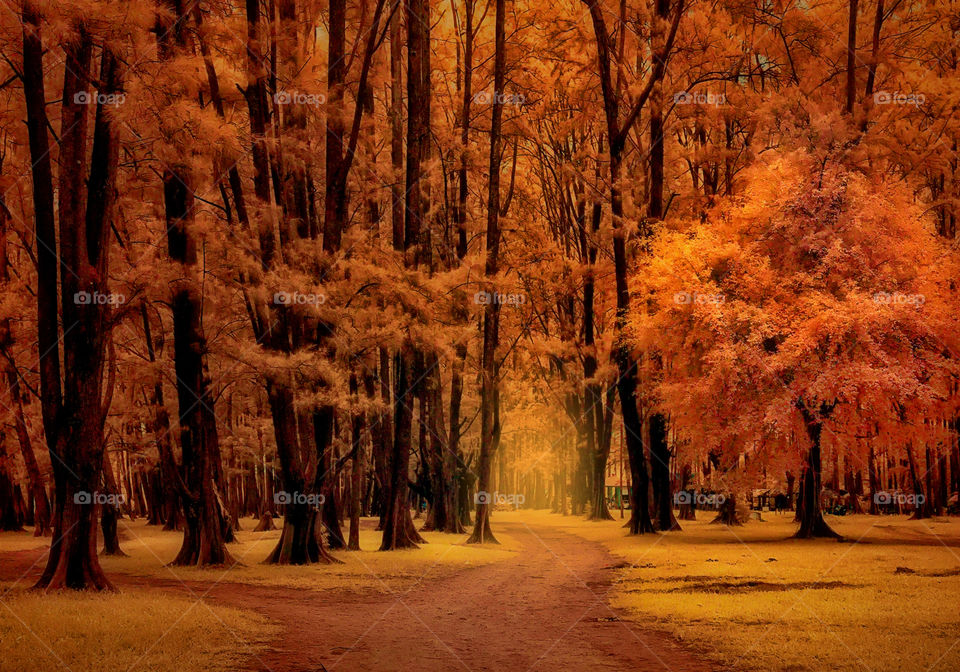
(543, 609)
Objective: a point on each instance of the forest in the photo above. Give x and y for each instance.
(381, 288)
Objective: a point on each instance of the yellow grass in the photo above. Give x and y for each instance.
(134, 630)
(754, 599)
(150, 550)
(147, 630)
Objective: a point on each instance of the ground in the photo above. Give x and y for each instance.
(559, 593)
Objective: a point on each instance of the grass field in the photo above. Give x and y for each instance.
(133, 630)
(754, 599)
(161, 632)
(149, 549)
(750, 597)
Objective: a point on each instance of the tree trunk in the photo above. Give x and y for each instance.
(72, 407)
(11, 519)
(728, 512)
(660, 467)
(489, 397)
(357, 469)
(204, 535)
(110, 512)
(812, 523)
(398, 529)
(38, 494)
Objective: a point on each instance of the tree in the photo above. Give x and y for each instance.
(72, 401)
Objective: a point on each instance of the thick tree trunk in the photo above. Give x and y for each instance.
(398, 529)
(72, 407)
(204, 534)
(812, 523)
(727, 515)
(660, 466)
(442, 480)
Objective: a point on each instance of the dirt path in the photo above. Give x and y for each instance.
(543, 609)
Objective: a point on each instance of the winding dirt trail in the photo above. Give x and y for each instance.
(543, 609)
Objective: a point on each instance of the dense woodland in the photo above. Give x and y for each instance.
(314, 261)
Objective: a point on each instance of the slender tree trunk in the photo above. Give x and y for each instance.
(489, 398)
(110, 511)
(357, 469)
(851, 96)
(41, 505)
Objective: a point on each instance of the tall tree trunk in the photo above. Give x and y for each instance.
(38, 493)
(489, 398)
(398, 530)
(72, 407)
(204, 521)
(617, 131)
(851, 94)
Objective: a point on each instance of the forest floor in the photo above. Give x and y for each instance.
(558, 593)
(752, 598)
(535, 602)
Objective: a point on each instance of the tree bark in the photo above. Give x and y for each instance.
(489, 397)
(810, 515)
(72, 408)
